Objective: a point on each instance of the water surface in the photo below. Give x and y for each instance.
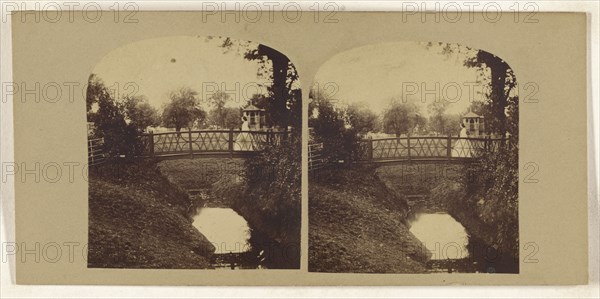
(441, 234)
(226, 229)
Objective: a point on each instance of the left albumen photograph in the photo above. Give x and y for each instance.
(194, 148)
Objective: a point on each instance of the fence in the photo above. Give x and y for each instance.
(96, 151)
(315, 157)
(425, 148)
(220, 142)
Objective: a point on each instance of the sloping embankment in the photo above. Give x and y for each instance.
(138, 219)
(357, 224)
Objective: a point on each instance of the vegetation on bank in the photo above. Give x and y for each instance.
(357, 224)
(484, 202)
(138, 219)
(273, 181)
(264, 189)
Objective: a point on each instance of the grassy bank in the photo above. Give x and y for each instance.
(357, 224)
(138, 219)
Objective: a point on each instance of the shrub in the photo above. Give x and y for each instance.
(273, 180)
(495, 180)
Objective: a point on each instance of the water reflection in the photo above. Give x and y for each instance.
(239, 246)
(441, 234)
(227, 230)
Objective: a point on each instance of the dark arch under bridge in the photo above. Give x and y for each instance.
(208, 143)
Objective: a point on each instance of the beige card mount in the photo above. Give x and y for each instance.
(358, 148)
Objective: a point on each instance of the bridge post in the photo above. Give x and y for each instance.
(408, 144)
(370, 153)
(230, 142)
(151, 143)
(449, 147)
(190, 143)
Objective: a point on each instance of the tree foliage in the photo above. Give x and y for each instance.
(440, 122)
(273, 178)
(140, 113)
(119, 122)
(361, 118)
(402, 118)
(222, 116)
(340, 142)
(183, 110)
(226, 118)
(284, 107)
(500, 103)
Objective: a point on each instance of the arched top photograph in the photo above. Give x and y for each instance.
(424, 135)
(184, 132)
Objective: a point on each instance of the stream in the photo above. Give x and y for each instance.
(453, 249)
(238, 245)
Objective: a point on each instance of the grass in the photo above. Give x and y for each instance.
(358, 225)
(138, 219)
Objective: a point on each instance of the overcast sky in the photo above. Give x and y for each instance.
(375, 74)
(161, 65)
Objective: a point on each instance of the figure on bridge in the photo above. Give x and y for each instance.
(462, 147)
(243, 141)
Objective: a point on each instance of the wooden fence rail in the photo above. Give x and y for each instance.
(96, 151)
(315, 157)
(208, 142)
(425, 148)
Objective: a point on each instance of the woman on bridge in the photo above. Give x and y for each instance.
(243, 141)
(462, 147)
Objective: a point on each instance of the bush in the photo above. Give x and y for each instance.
(120, 123)
(273, 180)
(340, 143)
(493, 188)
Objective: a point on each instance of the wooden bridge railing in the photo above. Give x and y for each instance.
(425, 148)
(96, 151)
(219, 142)
(315, 159)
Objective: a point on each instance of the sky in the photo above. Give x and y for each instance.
(159, 66)
(375, 74)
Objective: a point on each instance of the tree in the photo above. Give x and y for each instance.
(221, 116)
(401, 118)
(340, 142)
(183, 110)
(285, 99)
(140, 114)
(226, 118)
(440, 122)
(361, 118)
(501, 106)
(110, 121)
